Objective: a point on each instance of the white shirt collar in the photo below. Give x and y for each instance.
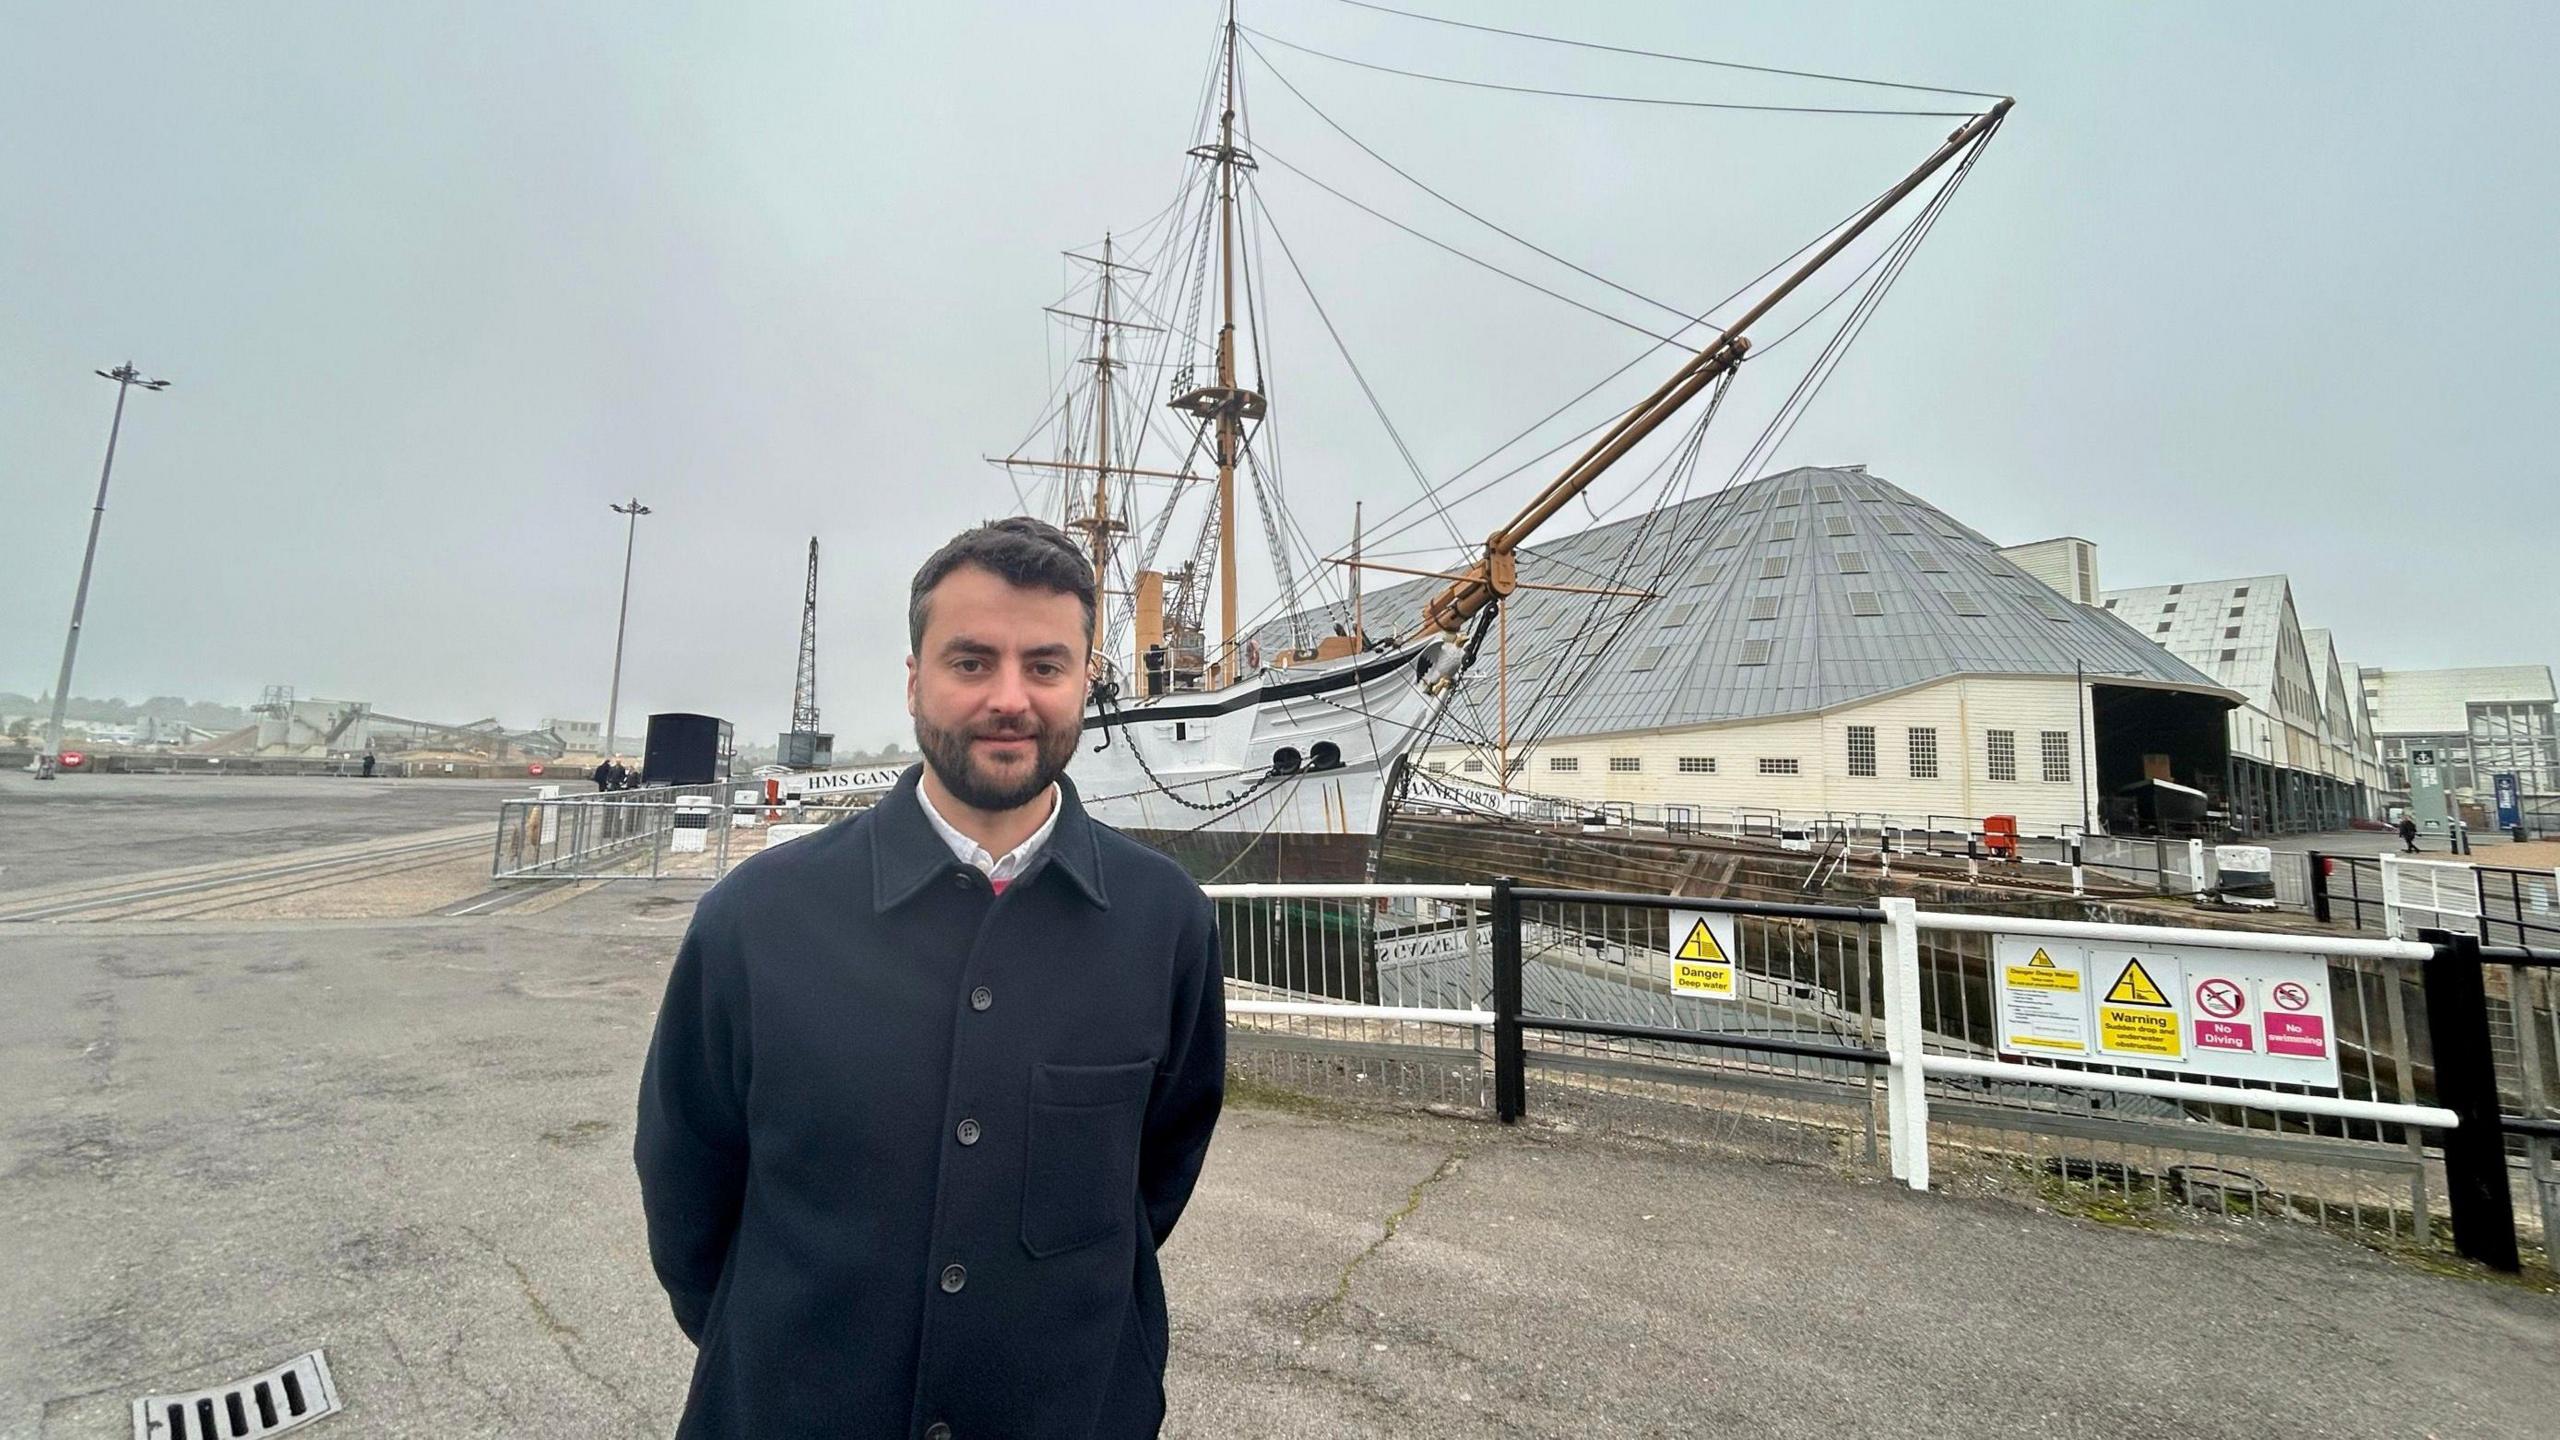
(970, 852)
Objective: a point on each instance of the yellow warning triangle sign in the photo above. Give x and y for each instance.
(2136, 987)
(2042, 961)
(1701, 945)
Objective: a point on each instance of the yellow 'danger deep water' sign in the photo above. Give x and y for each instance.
(2043, 997)
(1702, 954)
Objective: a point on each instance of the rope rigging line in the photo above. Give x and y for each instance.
(1411, 179)
(1665, 55)
(1800, 399)
(1476, 260)
(1596, 386)
(1262, 206)
(1602, 96)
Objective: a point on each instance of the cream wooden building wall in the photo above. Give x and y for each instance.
(1644, 767)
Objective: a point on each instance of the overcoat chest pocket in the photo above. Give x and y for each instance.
(1080, 1175)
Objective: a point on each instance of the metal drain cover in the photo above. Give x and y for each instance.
(286, 1398)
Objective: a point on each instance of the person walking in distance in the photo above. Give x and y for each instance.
(930, 1087)
(2409, 834)
(605, 774)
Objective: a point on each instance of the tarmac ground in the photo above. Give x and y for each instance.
(407, 1141)
(79, 827)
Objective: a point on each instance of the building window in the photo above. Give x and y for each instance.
(1755, 652)
(2169, 609)
(2111, 604)
(1472, 767)
(2231, 654)
(1514, 767)
(1865, 602)
(1697, 764)
(2240, 594)
(2230, 632)
(1774, 567)
(1764, 607)
(1565, 763)
(1852, 563)
(1862, 750)
(1962, 602)
(1779, 767)
(1680, 614)
(1924, 752)
(2001, 751)
(1649, 657)
(1625, 764)
(2160, 629)
(1783, 530)
(2057, 756)
(2177, 589)
(2238, 610)
(1836, 524)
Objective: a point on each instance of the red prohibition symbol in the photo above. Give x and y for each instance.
(2220, 998)
(2291, 996)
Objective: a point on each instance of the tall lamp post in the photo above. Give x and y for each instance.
(126, 377)
(613, 703)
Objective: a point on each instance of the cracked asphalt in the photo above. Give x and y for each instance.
(408, 1142)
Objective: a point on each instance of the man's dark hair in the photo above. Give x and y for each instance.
(1019, 550)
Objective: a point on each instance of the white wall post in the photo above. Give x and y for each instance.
(1906, 1088)
(2391, 895)
(2200, 882)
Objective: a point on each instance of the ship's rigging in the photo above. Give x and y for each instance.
(1171, 327)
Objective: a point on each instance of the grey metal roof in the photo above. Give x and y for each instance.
(2233, 629)
(1794, 593)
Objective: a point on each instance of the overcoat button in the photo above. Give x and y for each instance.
(953, 1277)
(968, 1132)
(937, 1431)
(981, 998)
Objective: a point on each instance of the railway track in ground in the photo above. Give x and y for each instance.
(212, 889)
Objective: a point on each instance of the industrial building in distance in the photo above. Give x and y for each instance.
(1827, 643)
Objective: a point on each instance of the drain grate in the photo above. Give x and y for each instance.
(290, 1396)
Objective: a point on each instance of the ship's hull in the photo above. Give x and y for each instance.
(1285, 776)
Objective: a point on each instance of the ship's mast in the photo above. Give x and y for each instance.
(1099, 533)
(1099, 526)
(1226, 403)
(1227, 359)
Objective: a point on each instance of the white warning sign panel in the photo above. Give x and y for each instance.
(2043, 994)
(2189, 1010)
(1703, 954)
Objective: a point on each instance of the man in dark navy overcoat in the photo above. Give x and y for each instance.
(930, 1087)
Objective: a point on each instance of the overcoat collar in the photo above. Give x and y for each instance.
(907, 854)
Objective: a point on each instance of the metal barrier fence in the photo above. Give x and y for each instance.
(2392, 895)
(1844, 1035)
(663, 832)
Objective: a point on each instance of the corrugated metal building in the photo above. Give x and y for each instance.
(1824, 643)
(2487, 719)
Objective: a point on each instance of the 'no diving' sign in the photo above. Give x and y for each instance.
(1702, 954)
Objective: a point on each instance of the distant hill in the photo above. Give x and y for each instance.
(118, 711)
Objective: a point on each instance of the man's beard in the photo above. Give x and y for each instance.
(948, 752)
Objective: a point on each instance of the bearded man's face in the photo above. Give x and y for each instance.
(997, 688)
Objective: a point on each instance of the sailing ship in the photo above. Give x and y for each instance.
(1275, 751)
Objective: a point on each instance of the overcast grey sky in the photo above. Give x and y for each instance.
(2237, 290)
